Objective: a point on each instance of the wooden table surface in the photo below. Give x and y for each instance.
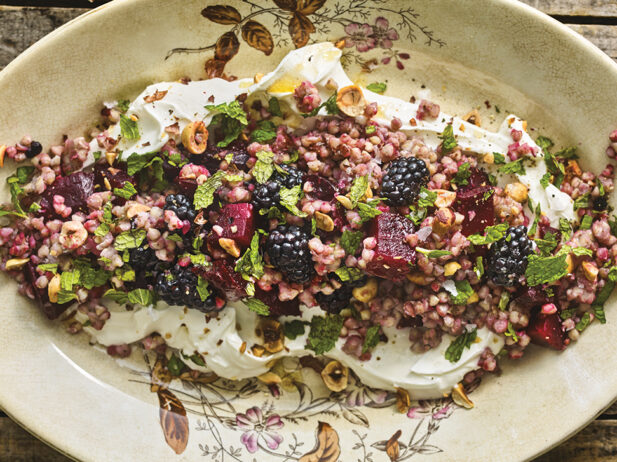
(23, 22)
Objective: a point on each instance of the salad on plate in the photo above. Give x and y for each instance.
(227, 224)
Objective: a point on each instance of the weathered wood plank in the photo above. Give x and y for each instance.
(17, 445)
(596, 443)
(21, 27)
(598, 8)
(604, 37)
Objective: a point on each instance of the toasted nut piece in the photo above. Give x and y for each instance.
(195, 137)
(444, 198)
(270, 378)
(367, 292)
(590, 270)
(258, 350)
(15, 263)
(450, 268)
(524, 124)
(273, 335)
(573, 168)
(444, 220)
(242, 348)
(2, 153)
(340, 43)
(136, 208)
(107, 184)
(517, 191)
(110, 157)
(230, 246)
(73, 235)
(570, 263)
(257, 77)
(335, 376)
(368, 194)
(489, 158)
(332, 85)
(53, 288)
(324, 222)
(350, 100)
(403, 400)
(345, 202)
(473, 298)
(418, 278)
(473, 117)
(460, 397)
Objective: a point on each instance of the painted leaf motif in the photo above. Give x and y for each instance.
(392, 447)
(257, 36)
(287, 5)
(355, 416)
(160, 375)
(215, 68)
(226, 46)
(173, 420)
(328, 448)
(300, 29)
(222, 14)
(309, 6)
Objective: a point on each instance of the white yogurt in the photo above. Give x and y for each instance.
(426, 375)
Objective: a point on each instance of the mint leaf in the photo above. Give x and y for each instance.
(464, 292)
(455, 349)
(426, 198)
(127, 191)
(371, 339)
(544, 143)
(462, 175)
(377, 87)
(143, 297)
(51, 267)
(324, 333)
(548, 244)
(64, 296)
(433, 253)
(351, 241)
(123, 105)
(346, 274)
(581, 202)
(513, 168)
(251, 263)
(545, 180)
(231, 118)
(129, 239)
(175, 365)
(567, 153)
(368, 211)
(479, 267)
(580, 251)
(274, 107)
(448, 141)
(294, 329)
(586, 222)
(257, 306)
(102, 230)
(289, 199)
(358, 189)
(511, 332)
(117, 295)
(137, 162)
(204, 195)
(504, 300)
(202, 289)
(544, 270)
(566, 229)
(264, 168)
(492, 234)
(265, 131)
(584, 322)
(128, 128)
(499, 158)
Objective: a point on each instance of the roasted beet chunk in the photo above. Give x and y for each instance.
(278, 307)
(546, 330)
(51, 310)
(221, 275)
(531, 297)
(238, 223)
(475, 202)
(393, 256)
(321, 188)
(75, 189)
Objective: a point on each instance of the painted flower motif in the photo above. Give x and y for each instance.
(255, 426)
(360, 36)
(383, 34)
(437, 409)
(361, 395)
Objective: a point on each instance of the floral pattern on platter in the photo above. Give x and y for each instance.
(270, 428)
(368, 31)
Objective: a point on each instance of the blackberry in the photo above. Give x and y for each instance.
(181, 205)
(336, 301)
(146, 265)
(267, 195)
(287, 247)
(600, 203)
(403, 180)
(507, 258)
(178, 286)
(34, 150)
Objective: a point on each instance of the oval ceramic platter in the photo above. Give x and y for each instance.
(92, 407)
